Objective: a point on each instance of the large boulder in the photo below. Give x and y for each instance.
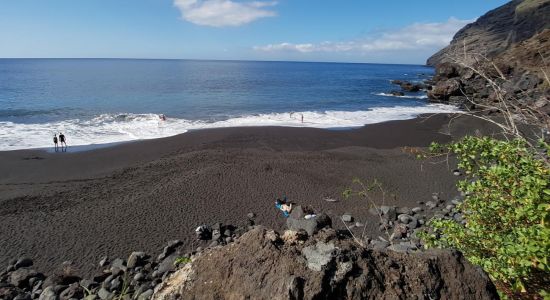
(318, 255)
(445, 89)
(297, 221)
(325, 266)
(411, 87)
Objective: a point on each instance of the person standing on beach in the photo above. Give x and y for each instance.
(302, 118)
(62, 141)
(55, 142)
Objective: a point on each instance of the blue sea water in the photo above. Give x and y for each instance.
(97, 101)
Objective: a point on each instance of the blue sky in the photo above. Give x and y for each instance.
(398, 31)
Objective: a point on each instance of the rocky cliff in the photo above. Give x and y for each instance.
(498, 30)
(502, 55)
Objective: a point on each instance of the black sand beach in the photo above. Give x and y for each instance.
(136, 196)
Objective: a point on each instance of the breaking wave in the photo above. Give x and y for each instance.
(113, 128)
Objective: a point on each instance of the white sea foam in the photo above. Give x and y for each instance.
(111, 128)
(404, 96)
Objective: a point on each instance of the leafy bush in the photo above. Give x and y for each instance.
(506, 209)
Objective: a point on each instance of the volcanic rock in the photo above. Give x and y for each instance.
(331, 268)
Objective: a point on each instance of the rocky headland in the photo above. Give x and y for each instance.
(505, 54)
(509, 46)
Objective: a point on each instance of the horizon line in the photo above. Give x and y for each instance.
(204, 59)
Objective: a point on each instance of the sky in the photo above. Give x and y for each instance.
(398, 31)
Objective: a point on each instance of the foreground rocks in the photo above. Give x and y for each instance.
(297, 221)
(329, 265)
(311, 260)
(134, 277)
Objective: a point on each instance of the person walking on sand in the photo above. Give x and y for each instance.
(56, 147)
(63, 142)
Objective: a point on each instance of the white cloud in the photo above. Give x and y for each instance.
(417, 36)
(221, 13)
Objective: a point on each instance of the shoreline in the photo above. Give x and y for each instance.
(117, 128)
(137, 196)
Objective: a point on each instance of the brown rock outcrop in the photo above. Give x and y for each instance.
(260, 265)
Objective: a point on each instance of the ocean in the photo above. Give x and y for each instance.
(102, 101)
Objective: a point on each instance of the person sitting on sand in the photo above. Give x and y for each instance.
(55, 142)
(284, 207)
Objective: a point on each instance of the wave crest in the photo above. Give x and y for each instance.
(112, 128)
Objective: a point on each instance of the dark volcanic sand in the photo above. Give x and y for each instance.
(81, 206)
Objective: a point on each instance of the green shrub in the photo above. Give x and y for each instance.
(182, 260)
(506, 209)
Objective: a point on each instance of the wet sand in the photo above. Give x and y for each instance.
(81, 206)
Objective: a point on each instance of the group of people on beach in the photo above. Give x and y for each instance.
(61, 140)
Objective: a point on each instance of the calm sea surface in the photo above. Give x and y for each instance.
(96, 101)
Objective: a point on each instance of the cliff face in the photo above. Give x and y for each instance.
(498, 30)
(503, 55)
